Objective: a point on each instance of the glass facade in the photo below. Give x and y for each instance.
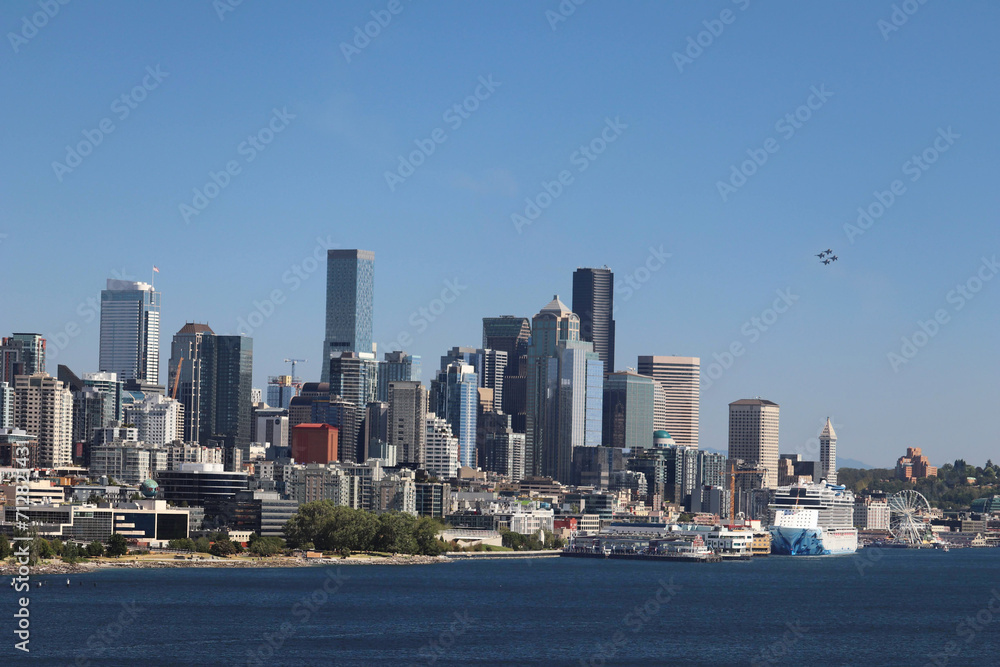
(455, 398)
(350, 295)
(130, 331)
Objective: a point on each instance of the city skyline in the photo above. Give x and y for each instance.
(696, 273)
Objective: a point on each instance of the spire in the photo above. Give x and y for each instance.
(828, 431)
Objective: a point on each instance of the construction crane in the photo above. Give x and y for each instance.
(177, 377)
(733, 472)
(295, 381)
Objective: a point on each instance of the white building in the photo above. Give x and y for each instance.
(128, 463)
(871, 513)
(191, 452)
(530, 520)
(158, 419)
(130, 331)
(315, 481)
(828, 452)
(440, 448)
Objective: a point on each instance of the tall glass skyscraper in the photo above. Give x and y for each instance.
(350, 295)
(628, 410)
(454, 397)
(130, 331)
(594, 304)
(397, 366)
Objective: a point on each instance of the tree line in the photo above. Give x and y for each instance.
(326, 526)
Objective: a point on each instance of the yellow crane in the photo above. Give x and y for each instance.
(177, 377)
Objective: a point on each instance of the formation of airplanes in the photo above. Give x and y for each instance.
(827, 256)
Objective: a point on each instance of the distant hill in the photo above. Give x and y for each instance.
(853, 463)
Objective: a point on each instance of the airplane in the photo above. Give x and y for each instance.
(826, 261)
(821, 255)
(829, 252)
(834, 258)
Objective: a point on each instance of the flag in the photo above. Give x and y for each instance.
(156, 269)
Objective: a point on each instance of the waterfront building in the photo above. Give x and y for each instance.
(198, 483)
(594, 303)
(753, 435)
(628, 410)
(258, 511)
(130, 331)
(871, 512)
(680, 381)
(350, 297)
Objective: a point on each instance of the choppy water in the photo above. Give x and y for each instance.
(877, 608)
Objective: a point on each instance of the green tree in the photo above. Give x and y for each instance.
(6, 551)
(182, 544)
(265, 546)
(426, 535)
(95, 549)
(44, 548)
(223, 547)
(202, 545)
(394, 533)
(117, 545)
(71, 553)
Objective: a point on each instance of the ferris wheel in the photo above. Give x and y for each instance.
(908, 511)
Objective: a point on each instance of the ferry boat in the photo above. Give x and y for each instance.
(812, 519)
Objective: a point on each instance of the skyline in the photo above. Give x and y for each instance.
(650, 199)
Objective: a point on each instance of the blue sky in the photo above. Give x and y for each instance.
(321, 180)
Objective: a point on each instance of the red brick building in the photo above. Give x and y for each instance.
(314, 443)
(914, 465)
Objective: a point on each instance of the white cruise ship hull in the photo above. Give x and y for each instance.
(789, 541)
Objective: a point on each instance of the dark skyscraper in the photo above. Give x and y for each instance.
(511, 335)
(594, 303)
(350, 295)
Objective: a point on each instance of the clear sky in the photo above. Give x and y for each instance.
(337, 118)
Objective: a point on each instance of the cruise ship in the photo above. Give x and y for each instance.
(812, 519)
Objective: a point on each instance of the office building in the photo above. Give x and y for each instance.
(511, 334)
(374, 431)
(502, 449)
(280, 391)
(271, 427)
(130, 331)
(43, 406)
(354, 377)
(753, 436)
(594, 304)
(198, 483)
(397, 366)
(314, 443)
(680, 379)
(350, 296)
(628, 410)
(454, 397)
(21, 354)
(158, 419)
(127, 462)
(828, 452)
(489, 366)
(406, 421)
(213, 376)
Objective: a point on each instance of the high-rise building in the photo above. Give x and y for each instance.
(6, 405)
(271, 426)
(553, 323)
(628, 410)
(594, 303)
(511, 335)
(354, 377)
(578, 407)
(407, 415)
(159, 419)
(213, 376)
(280, 391)
(374, 431)
(489, 365)
(350, 296)
(680, 379)
(346, 416)
(130, 331)
(397, 366)
(441, 448)
(454, 397)
(753, 435)
(315, 443)
(43, 406)
(21, 354)
(828, 452)
(501, 449)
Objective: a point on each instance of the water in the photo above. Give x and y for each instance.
(894, 607)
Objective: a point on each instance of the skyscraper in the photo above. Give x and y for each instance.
(628, 410)
(350, 294)
(212, 375)
(21, 354)
(680, 378)
(578, 413)
(489, 365)
(511, 335)
(594, 303)
(753, 435)
(130, 331)
(828, 452)
(354, 377)
(6, 405)
(397, 366)
(454, 397)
